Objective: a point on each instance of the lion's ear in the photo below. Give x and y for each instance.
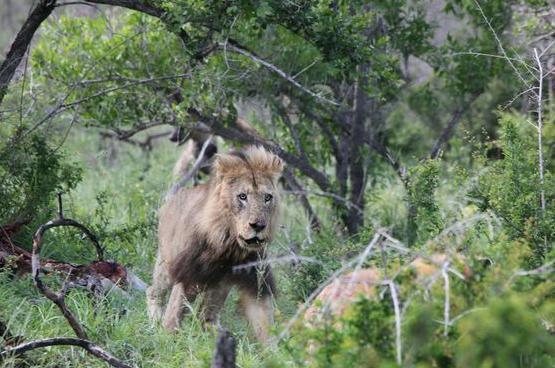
(226, 165)
(264, 161)
(276, 167)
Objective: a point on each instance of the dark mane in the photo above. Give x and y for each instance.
(202, 266)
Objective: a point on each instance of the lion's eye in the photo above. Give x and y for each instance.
(242, 196)
(268, 197)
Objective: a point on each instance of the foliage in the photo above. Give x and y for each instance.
(362, 338)
(505, 334)
(511, 186)
(424, 220)
(32, 172)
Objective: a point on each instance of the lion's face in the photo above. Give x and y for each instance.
(250, 195)
(254, 211)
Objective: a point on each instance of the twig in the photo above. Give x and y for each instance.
(89, 346)
(397, 311)
(312, 297)
(543, 269)
(275, 69)
(69, 105)
(446, 306)
(292, 184)
(447, 132)
(347, 202)
(465, 313)
(274, 260)
(500, 44)
(539, 127)
(145, 145)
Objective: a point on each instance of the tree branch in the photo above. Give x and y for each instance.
(239, 134)
(19, 47)
(141, 6)
(145, 145)
(449, 129)
(194, 170)
(298, 190)
(383, 151)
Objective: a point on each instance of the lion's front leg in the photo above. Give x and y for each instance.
(259, 312)
(175, 308)
(214, 300)
(256, 292)
(156, 293)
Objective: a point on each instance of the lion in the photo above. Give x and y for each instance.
(214, 236)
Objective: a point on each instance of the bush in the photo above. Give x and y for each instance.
(510, 187)
(31, 172)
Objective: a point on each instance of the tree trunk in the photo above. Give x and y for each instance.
(21, 43)
(355, 216)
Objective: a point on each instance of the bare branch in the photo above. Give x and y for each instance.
(446, 306)
(59, 298)
(539, 126)
(146, 144)
(383, 151)
(90, 347)
(500, 44)
(397, 311)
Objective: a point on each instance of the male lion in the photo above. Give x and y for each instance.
(212, 236)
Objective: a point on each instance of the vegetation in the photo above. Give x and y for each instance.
(408, 128)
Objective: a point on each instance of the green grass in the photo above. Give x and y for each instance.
(118, 198)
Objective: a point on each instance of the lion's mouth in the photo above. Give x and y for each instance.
(252, 243)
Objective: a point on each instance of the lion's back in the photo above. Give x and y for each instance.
(177, 220)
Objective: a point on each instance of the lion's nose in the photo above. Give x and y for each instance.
(258, 225)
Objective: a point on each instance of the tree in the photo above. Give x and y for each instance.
(329, 73)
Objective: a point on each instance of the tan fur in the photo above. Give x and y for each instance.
(208, 234)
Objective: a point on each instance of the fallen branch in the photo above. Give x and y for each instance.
(59, 298)
(90, 347)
